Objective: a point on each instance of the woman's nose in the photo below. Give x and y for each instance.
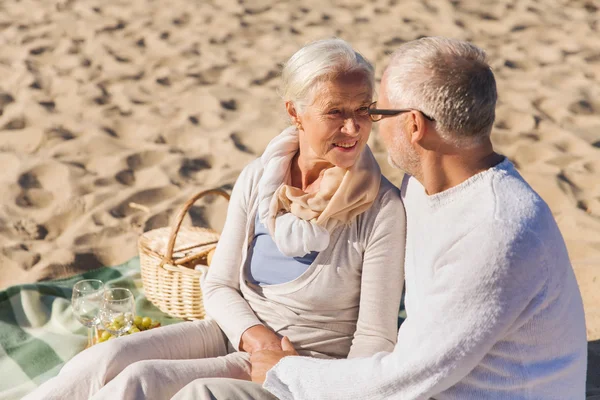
(351, 126)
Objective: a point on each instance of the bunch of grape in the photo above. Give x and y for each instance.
(139, 324)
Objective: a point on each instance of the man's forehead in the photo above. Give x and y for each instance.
(382, 97)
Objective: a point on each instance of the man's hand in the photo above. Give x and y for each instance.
(263, 361)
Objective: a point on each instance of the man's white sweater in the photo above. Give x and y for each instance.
(494, 310)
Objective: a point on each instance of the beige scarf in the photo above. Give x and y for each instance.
(343, 194)
(300, 222)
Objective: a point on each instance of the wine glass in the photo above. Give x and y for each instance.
(86, 300)
(117, 311)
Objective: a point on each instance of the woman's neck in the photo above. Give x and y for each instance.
(307, 173)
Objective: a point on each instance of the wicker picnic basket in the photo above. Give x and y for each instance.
(168, 257)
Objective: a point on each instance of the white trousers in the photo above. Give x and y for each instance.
(153, 364)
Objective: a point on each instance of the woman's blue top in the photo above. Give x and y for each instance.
(268, 265)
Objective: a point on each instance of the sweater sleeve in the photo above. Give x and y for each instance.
(382, 280)
(489, 280)
(221, 289)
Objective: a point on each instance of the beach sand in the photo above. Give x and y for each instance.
(113, 113)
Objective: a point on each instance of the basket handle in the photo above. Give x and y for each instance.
(181, 215)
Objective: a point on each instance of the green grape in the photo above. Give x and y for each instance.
(146, 322)
(154, 324)
(133, 329)
(111, 337)
(119, 318)
(105, 335)
(117, 324)
(137, 321)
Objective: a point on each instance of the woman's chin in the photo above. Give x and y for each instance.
(345, 160)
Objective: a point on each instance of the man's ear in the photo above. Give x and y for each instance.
(418, 127)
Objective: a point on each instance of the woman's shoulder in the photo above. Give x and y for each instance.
(385, 214)
(388, 201)
(389, 195)
(251, 173)
(254, 168)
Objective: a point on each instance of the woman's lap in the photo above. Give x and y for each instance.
(91, 369)
(162, 379)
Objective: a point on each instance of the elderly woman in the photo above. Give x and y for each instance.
(312, 250)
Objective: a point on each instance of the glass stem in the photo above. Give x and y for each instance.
(90, 336)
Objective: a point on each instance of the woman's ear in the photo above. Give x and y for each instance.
(291, 110)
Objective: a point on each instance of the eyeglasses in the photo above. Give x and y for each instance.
(377, 114)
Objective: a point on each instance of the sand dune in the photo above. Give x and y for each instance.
(105, 104)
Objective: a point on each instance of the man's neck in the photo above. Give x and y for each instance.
(444, 171)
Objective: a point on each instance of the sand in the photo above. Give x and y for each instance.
(113, 113)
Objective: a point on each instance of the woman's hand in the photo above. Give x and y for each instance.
(263, 361)
(259, 338)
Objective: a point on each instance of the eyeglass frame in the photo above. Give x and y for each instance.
(385, 113)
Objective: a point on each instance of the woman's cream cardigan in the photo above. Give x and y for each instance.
(345, 305)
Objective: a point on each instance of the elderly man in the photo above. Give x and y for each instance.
(493, 306)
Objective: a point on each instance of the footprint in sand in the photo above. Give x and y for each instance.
(15, 124)
(5, 99)
(583, 107)
(146, 198)
(22, 255)
(42, 184)
(191, 166)
(136, 163)
(158, 220)
(59, 133)
(96, 238)
(29, 230)
(125, 177)
(144, 159)
(34, 198)
(239, 144)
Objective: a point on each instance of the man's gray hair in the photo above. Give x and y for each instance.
(318, 62)
(450, 81)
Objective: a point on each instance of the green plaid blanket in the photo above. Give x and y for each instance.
(38, 332)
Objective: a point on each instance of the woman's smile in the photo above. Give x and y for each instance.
(346, 146)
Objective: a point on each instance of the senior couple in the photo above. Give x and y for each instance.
(304, 288)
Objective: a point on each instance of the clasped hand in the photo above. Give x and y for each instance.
(265, 349)
(262, 361)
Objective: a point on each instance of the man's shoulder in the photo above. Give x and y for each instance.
(517, 204)
(520, 222)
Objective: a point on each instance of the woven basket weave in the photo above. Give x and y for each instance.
(170, 281)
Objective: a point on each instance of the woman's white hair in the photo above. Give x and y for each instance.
(317, 62)
(450, 81)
